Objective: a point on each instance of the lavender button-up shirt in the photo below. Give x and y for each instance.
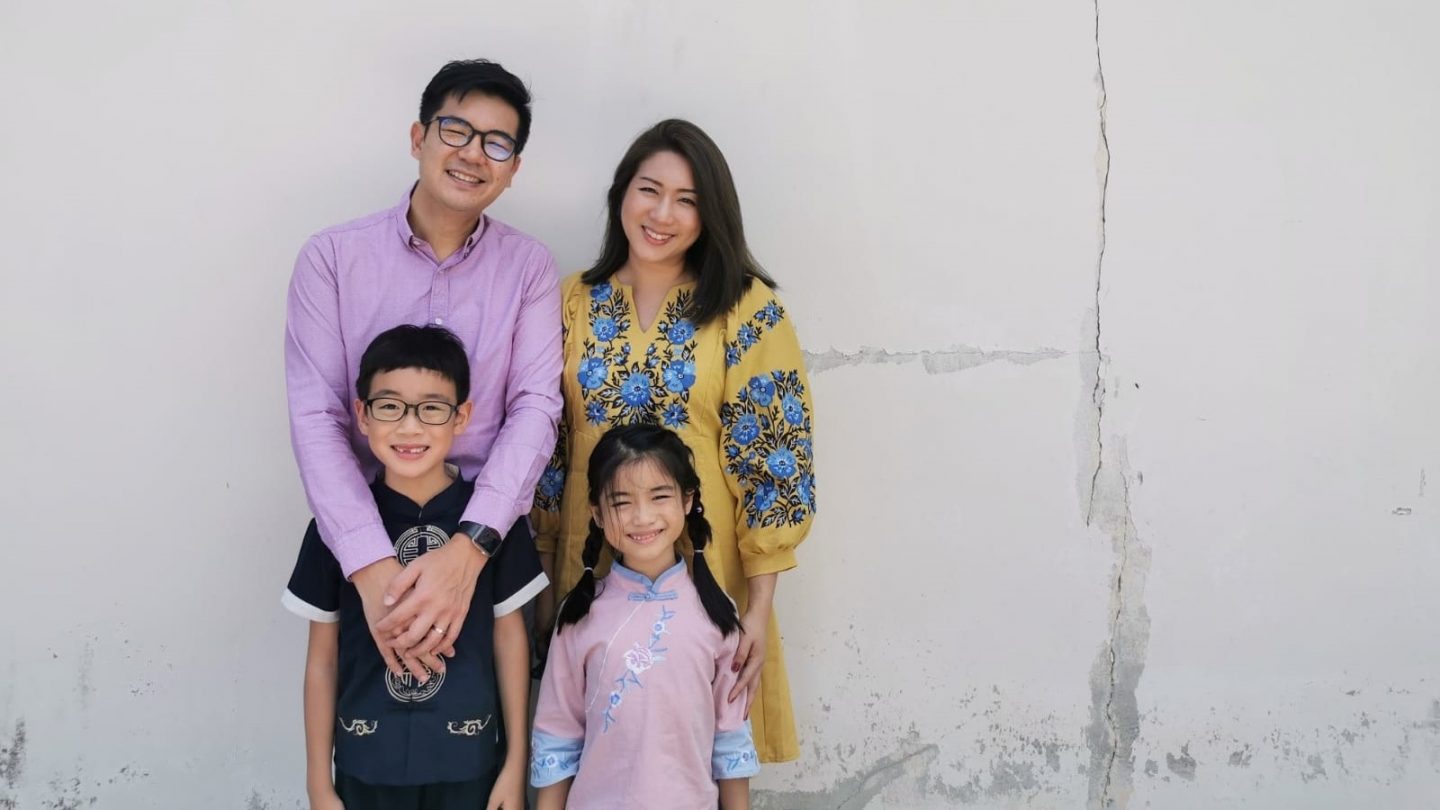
(498, 293)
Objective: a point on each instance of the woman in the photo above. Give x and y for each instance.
(677, 324)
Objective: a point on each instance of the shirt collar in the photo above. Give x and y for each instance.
(407, 235)
(393, 503)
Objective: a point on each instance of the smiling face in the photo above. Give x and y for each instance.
(463, 181)
(660, 214)
(642, 514)
(412, 452)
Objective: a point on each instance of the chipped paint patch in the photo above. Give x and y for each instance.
(12, 756)
(944, 361)
(256, 803)
(1182, 766)
(1241, 758)
(856, 791)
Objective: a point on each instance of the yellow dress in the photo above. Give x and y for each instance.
(736, 391)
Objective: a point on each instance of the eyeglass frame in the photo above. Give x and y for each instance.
(481, 133)
(370, 409)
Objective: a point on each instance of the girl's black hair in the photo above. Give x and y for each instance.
(719, 259)
(625, 445)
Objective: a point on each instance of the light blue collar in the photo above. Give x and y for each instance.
(651, 590)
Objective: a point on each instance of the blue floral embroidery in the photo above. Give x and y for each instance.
(675, 416)
(681, 331)
(750, 332)
(552, 483)
(762, 390)
(592, 373)
(595, 413)
(781, 463)
(601, 291)
(620, 388)
(767, 446)
(746, 429)
(679, 376)
(552, 479)
(635, 389)
(638, 659)
(794, 409)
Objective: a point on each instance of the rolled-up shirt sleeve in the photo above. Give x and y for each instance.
(319, 399)
(505, 486)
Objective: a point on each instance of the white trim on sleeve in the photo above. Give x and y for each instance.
(305, 610)
(523, 595)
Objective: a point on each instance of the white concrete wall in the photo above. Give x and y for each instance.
(1194, 569)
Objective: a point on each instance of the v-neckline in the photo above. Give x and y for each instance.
(629, 292)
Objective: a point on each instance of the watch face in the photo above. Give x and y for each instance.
(488, 541)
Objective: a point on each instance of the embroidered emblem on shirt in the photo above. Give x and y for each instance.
(406, 689)
(468, 728)
(418, 540)
(638, 659)
(359, 727)
(410, 545)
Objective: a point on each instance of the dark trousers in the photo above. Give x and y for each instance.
(358, 795)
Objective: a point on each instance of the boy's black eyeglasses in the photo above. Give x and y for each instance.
(458, 132)
(430, 412)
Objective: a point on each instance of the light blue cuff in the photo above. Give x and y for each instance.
(734, 756)
(554, 759)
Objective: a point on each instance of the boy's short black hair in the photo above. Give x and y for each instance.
(461, 78)
(432, 348)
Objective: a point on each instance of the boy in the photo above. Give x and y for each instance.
(448, 737)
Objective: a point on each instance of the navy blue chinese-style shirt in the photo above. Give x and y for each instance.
(394, 730)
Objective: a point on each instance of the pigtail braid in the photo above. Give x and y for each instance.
(717, 605)
(577, 602)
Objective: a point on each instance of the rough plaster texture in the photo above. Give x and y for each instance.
(1119, 316)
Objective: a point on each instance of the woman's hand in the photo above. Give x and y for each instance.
(754, 625)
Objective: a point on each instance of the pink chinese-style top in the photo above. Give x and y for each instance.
(633, 702)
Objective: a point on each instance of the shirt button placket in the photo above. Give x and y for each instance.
(440, 297)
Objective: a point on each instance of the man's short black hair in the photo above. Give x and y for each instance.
(461, 78)
(432, 348)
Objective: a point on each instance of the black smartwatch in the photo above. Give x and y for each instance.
(485, 538)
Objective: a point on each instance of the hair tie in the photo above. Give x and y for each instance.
(699, 551)
(699, 508)
(588, 568)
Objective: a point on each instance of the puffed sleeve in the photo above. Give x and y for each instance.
(549, 492)
(558, 734)
(767, 446)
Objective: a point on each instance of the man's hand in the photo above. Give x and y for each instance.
(509, 790)
(371, 581)
(431, 598)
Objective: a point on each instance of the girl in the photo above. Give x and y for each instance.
(634, 706)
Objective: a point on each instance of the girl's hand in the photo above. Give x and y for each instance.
(509, 790)
(750, 656)
(325, 800)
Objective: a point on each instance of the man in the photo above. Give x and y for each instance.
(434, 258)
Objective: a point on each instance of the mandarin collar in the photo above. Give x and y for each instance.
(393, 503)
(635, 581)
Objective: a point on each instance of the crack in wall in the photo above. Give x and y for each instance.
(1097, 392)
(1115, 677)
(945, 361)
